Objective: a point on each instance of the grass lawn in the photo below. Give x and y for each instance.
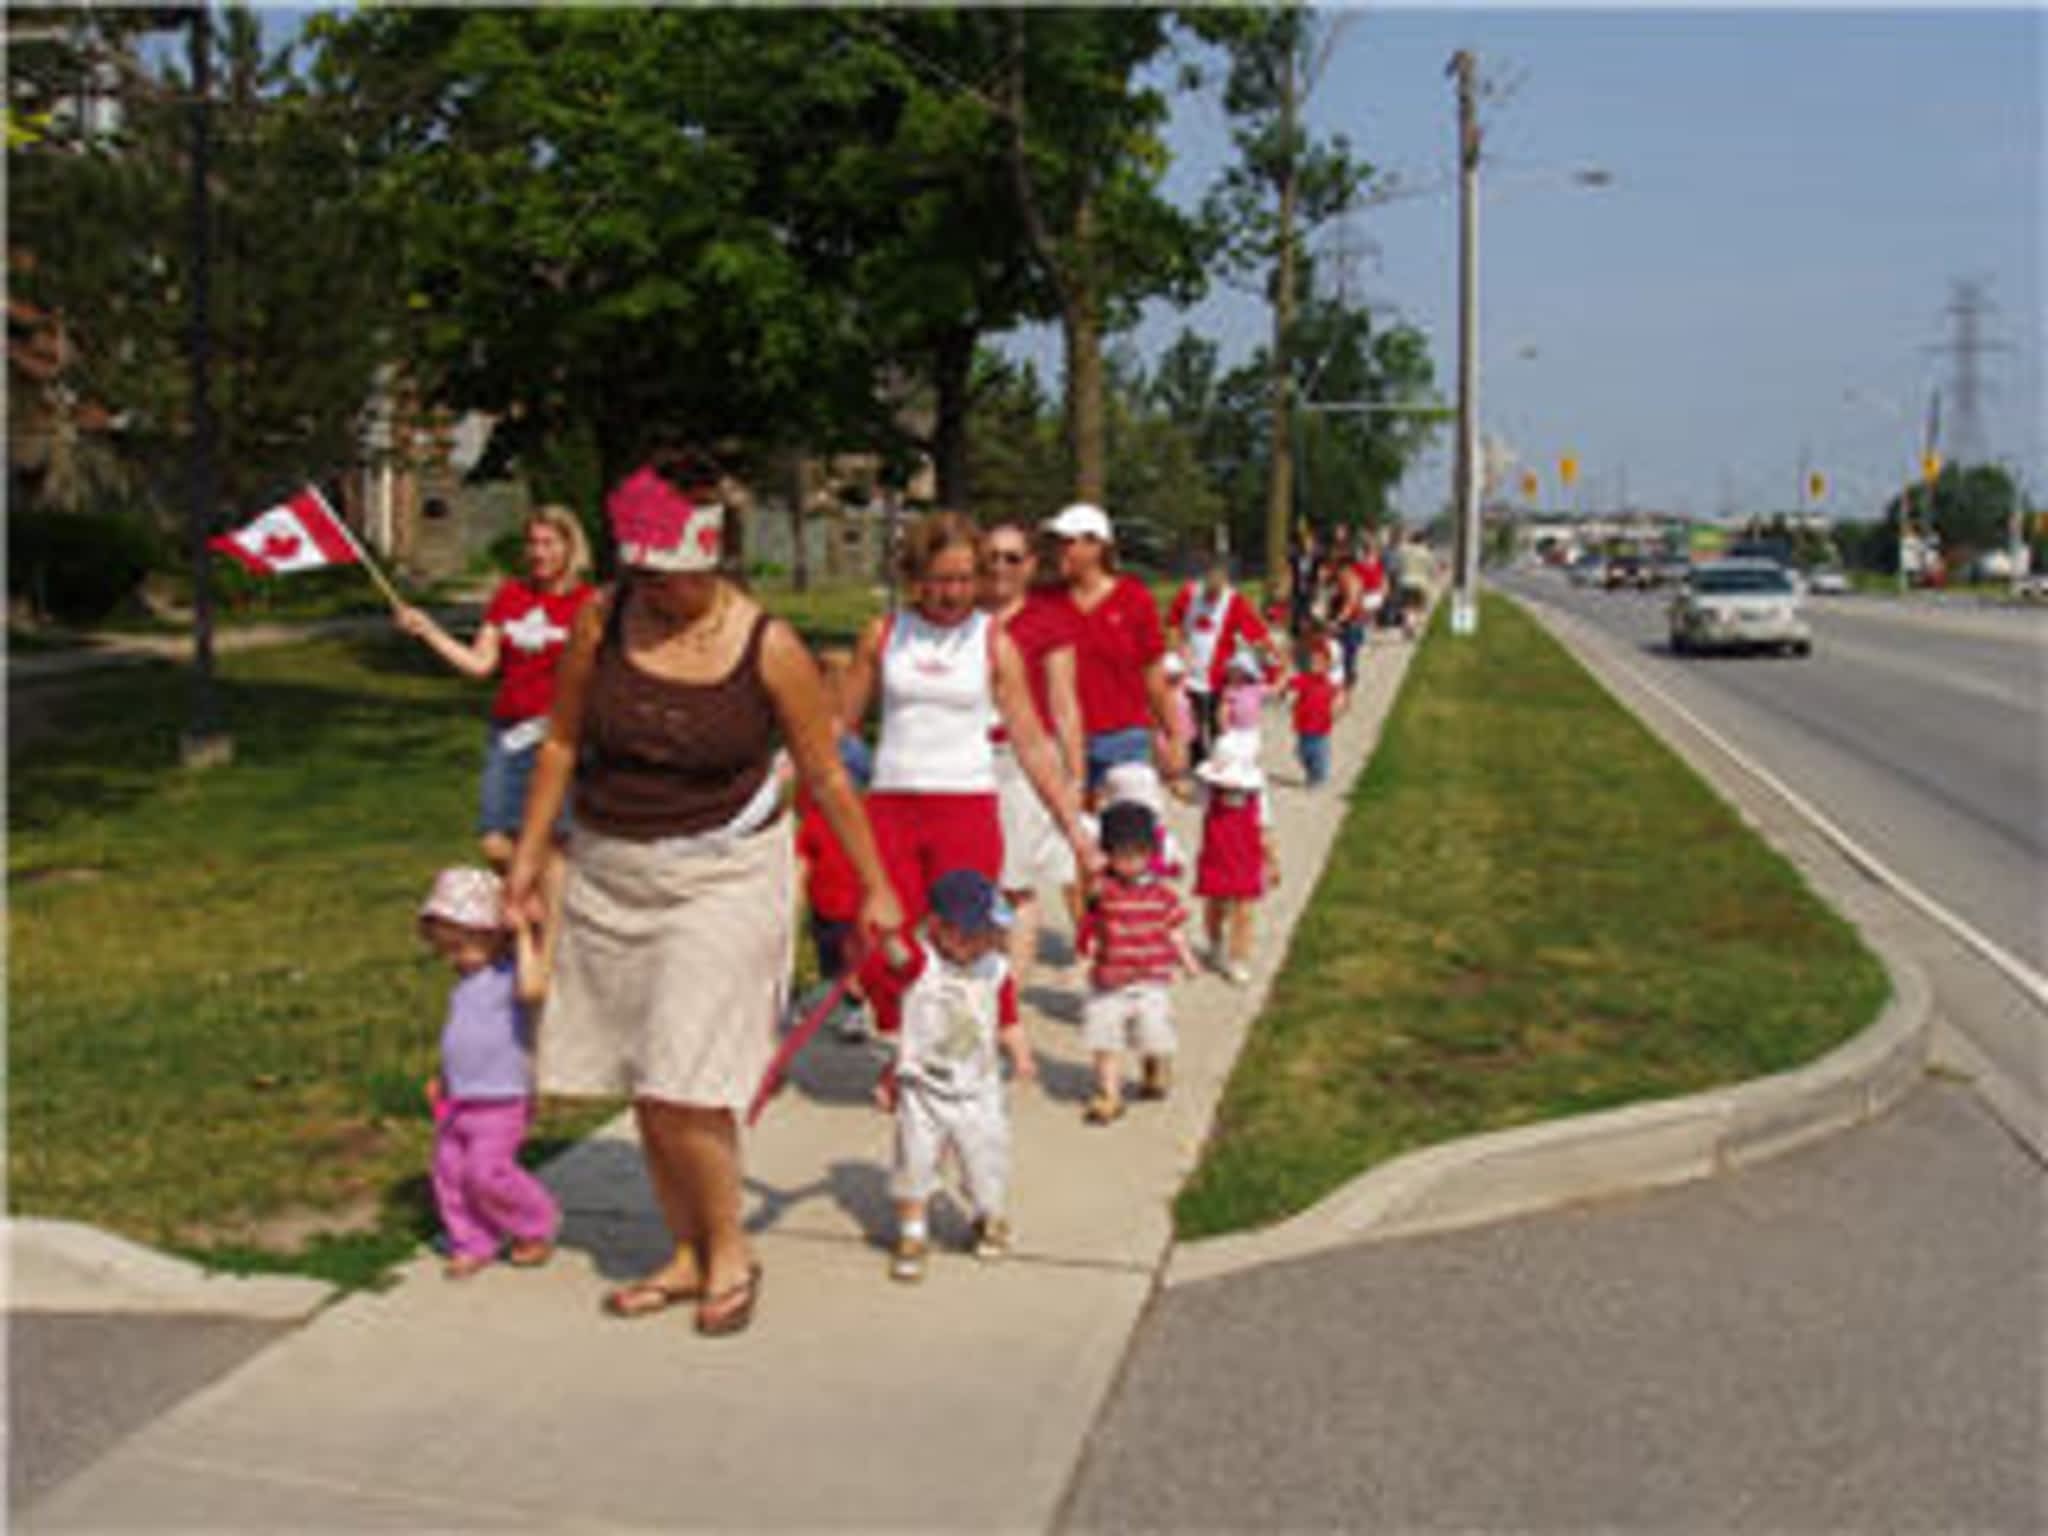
(1533, 909)
(219, 1018)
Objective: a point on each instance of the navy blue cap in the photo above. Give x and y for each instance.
(968, 900)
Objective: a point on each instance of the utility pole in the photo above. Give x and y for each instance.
(205, 744)
(1280, 479)
(1465, 477)
(1926, 479)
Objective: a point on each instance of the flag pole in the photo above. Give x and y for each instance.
(362, 555)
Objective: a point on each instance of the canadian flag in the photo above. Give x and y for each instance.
(301, 535)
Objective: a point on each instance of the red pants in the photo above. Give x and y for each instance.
(921, 837)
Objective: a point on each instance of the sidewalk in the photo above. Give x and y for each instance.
(102, 649)
(510, 1402)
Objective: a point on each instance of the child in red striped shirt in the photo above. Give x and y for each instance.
(1133, 937)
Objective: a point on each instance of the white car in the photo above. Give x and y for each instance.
(1827, 581)
(1739, 605)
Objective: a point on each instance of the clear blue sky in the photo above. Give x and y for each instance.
(1793, 193)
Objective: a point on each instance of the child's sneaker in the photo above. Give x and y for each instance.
(850, 1020)
(1103, 1110)
(1237, 973)
(907, 1263)
(991, 1239)
(1158, 1079)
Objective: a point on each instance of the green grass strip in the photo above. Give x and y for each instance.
(219, 1017)
(1533, 909)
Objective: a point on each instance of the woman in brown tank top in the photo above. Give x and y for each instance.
(676, 923)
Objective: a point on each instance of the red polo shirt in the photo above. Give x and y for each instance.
(1119, 638)
(1046, 623)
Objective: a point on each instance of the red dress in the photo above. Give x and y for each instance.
(1233, 861)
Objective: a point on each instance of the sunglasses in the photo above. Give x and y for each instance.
(1008, 556)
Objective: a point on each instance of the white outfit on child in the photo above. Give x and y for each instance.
(949, 1079)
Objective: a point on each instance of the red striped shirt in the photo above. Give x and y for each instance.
(1130, 933)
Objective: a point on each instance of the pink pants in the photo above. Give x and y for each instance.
(485, 1197)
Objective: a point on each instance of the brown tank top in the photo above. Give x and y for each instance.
(661, 758)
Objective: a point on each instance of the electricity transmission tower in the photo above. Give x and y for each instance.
(1968, 308)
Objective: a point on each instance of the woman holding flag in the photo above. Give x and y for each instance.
(677, 916)
(523, 637)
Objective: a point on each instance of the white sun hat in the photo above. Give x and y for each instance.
(1233, 763)
(467, 898)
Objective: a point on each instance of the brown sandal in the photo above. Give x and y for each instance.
(645, 1297)
(738, 1304)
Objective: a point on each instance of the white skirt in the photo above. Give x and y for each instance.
(672, 969)
(1034, 851)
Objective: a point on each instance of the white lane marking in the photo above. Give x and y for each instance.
(2031, 983)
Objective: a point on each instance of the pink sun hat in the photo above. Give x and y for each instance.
(467, 898)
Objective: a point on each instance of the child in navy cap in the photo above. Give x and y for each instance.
(950, 1001)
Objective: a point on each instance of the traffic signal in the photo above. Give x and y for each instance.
(1930, 465)
(1816, 485)
(1530, 485)
(1568, 469)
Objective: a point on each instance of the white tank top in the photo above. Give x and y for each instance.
(938, 703)
(1205, 617)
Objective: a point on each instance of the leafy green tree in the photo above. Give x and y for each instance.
(1349, 461)
(943, 259)
(99, 237)
(1973, 505)
(1087, 163)
(1283, 185)
(1014, 450)
(611, 220)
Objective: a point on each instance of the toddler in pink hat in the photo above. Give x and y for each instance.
(483, 1097)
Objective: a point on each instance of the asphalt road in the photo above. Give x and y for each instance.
(1847, 1338)
(77, 1383)
(1920, 730)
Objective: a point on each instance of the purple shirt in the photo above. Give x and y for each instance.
(487, 1043)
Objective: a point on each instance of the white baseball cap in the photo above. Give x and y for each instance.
(1081, 520)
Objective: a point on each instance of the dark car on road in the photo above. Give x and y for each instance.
(1629, 571)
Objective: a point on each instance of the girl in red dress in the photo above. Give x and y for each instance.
(1238, 862)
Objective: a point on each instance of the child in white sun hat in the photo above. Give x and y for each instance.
(1238, 863)
(483, 1096)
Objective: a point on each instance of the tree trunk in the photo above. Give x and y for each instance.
(952, 373)
(1280, 480)
(1082, 324)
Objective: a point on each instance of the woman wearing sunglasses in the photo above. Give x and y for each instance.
(947, 676)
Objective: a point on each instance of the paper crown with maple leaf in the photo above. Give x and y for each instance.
(660, 525)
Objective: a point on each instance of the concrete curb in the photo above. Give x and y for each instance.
(1645, 1146)
(67, 1266)
(1533, 1168)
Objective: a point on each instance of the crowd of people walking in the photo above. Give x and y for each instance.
(1031, 713)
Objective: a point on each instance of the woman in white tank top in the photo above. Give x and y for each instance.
(946, 675)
